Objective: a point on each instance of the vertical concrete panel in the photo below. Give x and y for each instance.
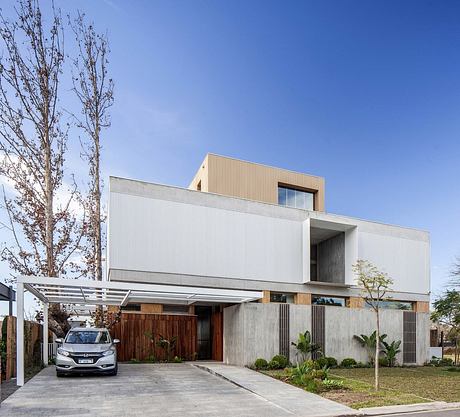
(261, 331)
(300, 316)
(343, 323)
(331, 259)
(423, 337)
(234, 335)
(391, 324)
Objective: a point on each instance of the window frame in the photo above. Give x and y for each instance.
(296, 190)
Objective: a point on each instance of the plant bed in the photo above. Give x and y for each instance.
(399, 386)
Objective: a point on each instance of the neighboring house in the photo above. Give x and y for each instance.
(245, 226)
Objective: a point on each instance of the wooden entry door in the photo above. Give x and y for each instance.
(217, 325)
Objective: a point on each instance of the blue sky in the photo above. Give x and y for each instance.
(364, 93)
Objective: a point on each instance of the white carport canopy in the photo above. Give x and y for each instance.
(83, 292)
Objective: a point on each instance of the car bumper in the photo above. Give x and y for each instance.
(68, 365)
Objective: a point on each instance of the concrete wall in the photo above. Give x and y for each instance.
(252, 331)
(331, 259)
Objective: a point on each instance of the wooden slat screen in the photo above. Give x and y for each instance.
(409, 337)
(284, 330)
(136, 345)
(318, 329)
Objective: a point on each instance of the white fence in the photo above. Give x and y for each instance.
(52, 348)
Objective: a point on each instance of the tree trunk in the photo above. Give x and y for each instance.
(377, 353)
(50, 266)
(97, 207)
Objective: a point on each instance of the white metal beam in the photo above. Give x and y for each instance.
(20, 334)
(63, 282)
(45, 334)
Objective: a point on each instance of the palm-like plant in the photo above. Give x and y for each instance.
(391, 350)
(305, 346)
(167, 345)
(369, 342)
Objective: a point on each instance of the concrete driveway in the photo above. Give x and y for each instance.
(138, 390)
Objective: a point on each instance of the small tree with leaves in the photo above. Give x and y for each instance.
(375, 285)
(447, 312)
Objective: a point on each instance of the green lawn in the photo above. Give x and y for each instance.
(429, 383)
(398, 386)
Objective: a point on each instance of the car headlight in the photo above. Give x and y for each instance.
(108, 352)
(62, 352)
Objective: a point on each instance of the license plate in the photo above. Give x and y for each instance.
(85, 361)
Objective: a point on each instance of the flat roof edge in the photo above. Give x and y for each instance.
(312, 214)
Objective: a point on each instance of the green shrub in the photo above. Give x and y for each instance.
(260, 363)
(331, 384)
(383, 362)
(328, 361)
(453, 369)
(441, 362)
(446, 362)
(282, 360)
(134, 360)
(177, 359)
(274, 365)
(348, 363)
(363, 365)
(312, 364)
(320, 373)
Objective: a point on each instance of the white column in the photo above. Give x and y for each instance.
(20, 334)
(45, 334)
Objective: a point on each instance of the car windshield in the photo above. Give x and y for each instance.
(88, 337)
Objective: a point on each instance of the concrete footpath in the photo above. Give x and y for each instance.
(288, 398)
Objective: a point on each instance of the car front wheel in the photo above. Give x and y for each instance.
(115, 370)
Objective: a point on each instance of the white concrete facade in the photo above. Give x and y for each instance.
(159, 232)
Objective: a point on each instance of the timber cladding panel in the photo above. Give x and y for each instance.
(33, 334)
(135, 343)
(236, 178)
(217, 326)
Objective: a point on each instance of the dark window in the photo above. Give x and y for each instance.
(131, 307)
(175, 309)
(278, 297)
(198, 186)
(328, 301)
(393, 305)
(291, 197)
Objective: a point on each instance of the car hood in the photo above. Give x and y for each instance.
(89, 348)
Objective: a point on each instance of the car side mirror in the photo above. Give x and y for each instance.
(116, 341)
(59, 341)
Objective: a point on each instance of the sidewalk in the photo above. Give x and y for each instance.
(287, 397)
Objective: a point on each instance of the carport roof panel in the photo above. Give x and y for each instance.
(88, 292)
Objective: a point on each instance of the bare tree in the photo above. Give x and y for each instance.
(94, 89)
(46, 231)
(374, 285)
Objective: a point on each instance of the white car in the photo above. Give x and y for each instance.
(87, 350)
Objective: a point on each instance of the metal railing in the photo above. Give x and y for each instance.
(52, 348)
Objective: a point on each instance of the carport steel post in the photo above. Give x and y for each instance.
(20, 334)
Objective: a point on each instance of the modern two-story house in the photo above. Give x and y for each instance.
(273, 262)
